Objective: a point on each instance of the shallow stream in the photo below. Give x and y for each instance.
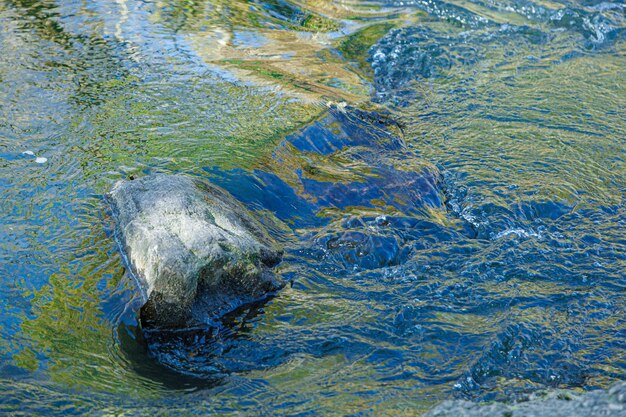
(448, 180)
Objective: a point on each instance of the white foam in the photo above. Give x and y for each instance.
(519, 232)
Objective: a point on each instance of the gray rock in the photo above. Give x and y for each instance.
(195, 251)
(611, 403)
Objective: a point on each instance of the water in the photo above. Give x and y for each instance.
(460, 236)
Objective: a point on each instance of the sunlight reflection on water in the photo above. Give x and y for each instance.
(456, 229)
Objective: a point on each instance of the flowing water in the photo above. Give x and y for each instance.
(448, 180)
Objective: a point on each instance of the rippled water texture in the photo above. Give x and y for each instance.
(454, 223)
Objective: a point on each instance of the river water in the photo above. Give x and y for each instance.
(447, 179)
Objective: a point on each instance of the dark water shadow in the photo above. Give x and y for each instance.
(199, 357)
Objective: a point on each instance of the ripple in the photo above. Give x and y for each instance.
(461, 236)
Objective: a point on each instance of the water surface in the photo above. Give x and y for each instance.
(460, 236)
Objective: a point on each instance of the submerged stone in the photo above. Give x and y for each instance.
(555, 403)
(348, 158)
(350, 186)
(409, 192)
(346, 126)
(371, 144)
(195, 250)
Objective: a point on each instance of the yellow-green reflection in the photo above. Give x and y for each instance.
(221, 84)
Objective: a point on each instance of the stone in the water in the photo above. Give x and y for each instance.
(345, 127)
(407, 191)
(195, 250)
(556, 403)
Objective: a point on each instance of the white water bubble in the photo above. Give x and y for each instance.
(38, 159)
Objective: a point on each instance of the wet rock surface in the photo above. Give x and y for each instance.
(610, 403)
(195, 250)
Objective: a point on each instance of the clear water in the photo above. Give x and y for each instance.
(503, 275)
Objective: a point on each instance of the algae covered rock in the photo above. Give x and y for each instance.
(196, 252)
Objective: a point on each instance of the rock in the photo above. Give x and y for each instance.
(407, 191)
(346, 127)
(196, 252)
(554, 404)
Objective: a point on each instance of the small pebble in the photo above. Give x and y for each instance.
(41, 160)
(31, 153)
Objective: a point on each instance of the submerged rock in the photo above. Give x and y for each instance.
(348, 173)
(195, 250)
(555, 404)
(350, 158)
